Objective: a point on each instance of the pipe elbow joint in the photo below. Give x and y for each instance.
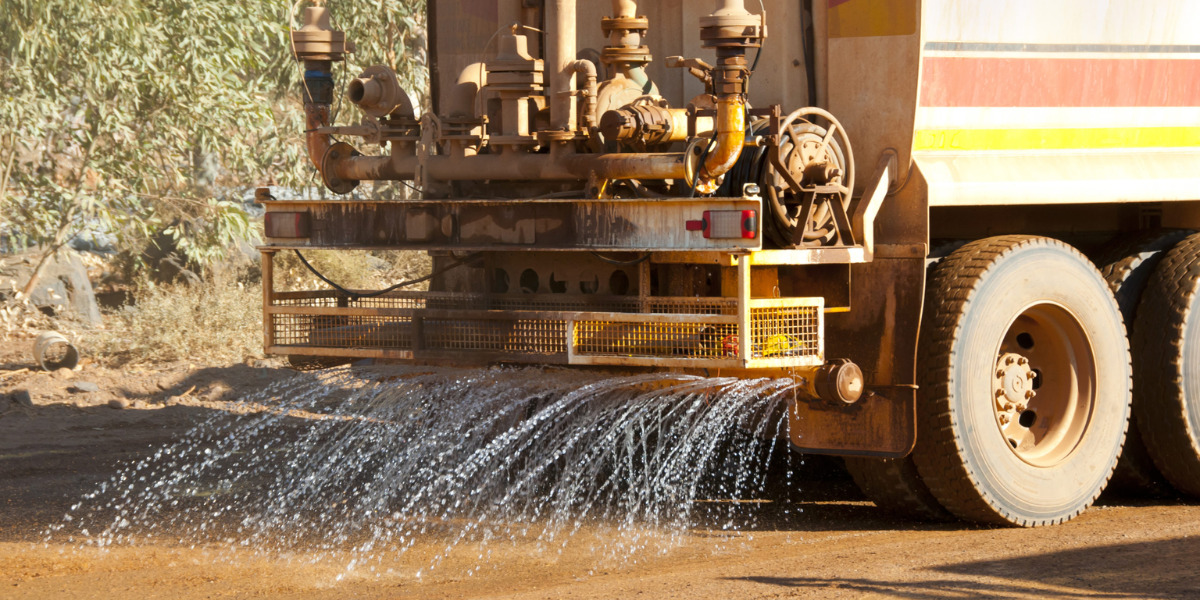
(730, 138)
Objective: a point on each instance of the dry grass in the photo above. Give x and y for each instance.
(216, 322)
(219, 321)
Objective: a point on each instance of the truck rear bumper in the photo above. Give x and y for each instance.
(435, 327)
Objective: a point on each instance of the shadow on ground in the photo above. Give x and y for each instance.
(1163, 569)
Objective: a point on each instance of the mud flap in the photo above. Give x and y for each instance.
(882, 424)
(880, 334)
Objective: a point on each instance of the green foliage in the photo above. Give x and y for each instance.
(125, 115)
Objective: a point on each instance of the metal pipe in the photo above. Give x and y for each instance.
(566, 166)
(731, 137)
(462, 101)
(591, 85)
(625, 42)
(560, 53)
(316, 116)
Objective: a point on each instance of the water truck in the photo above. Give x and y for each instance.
(961, 227)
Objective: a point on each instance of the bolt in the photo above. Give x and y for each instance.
(1029, 395)
(999, 393)
(1000, 373)
(1022, 361)
(1004, 419)
(1021, 408)
(1030, 375)
(1010, 360)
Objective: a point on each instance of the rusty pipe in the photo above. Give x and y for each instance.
(730, 138)
(587, 70)
(560, 53)
(316, 116)
(563, 166)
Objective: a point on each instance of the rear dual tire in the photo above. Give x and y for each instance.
(1167, 366)
(1025, 389)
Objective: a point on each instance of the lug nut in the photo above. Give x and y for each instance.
(1029, 395)
(1030, 375)
(1021, 408)
(1009, 361)
(1004, 419)
(1022, 361)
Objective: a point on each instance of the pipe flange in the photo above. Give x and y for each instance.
(623, 54)
(611, 24)
(732, 37)
(377, 92)
(547, 137)
(316, 40)
(337, 152)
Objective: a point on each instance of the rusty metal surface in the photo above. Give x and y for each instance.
(464, 225)
(881, 424)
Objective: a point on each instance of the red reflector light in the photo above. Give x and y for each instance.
(292, 225)
(730, 224)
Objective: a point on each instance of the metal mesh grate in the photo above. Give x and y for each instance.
(342, 331)
(517, 337)
(605, 330)
(535, 302)
(788, 331)
(663, 339)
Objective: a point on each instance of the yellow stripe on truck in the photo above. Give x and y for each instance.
(865, 18)
(1056, 139)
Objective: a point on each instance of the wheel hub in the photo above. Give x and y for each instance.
(1013, 392)
(1043, 395)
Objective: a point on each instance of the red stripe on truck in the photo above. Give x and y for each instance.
(1059, 82)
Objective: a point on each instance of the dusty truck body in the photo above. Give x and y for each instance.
(888, 201)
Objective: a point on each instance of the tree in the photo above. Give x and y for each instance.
(128, 115)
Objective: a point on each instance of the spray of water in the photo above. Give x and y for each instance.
(366, 463)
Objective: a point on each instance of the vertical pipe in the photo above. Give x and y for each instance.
(745, 324)
(624, 9)
(560, 53)
(268, 288)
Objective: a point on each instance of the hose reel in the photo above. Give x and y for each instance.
(806, 173)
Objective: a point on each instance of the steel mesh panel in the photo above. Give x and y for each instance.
(534, 302)
(518, 337)
(398, 333)
(785, 331)
(656, 328)
(656, 340)
(343, 331)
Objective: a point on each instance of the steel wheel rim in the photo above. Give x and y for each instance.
(1044, 387)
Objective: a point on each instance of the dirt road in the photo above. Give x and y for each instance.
(830, 544)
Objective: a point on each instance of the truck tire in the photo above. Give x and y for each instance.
(1127, 267)
(1025, 382)
(894, 485)
(1167, 366)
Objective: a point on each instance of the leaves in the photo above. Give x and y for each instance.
(124, 115)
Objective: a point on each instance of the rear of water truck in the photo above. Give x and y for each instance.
(962, 227)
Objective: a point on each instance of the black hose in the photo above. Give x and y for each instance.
(622, 263)
(358, 296)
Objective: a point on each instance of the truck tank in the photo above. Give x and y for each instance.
(961, 227)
